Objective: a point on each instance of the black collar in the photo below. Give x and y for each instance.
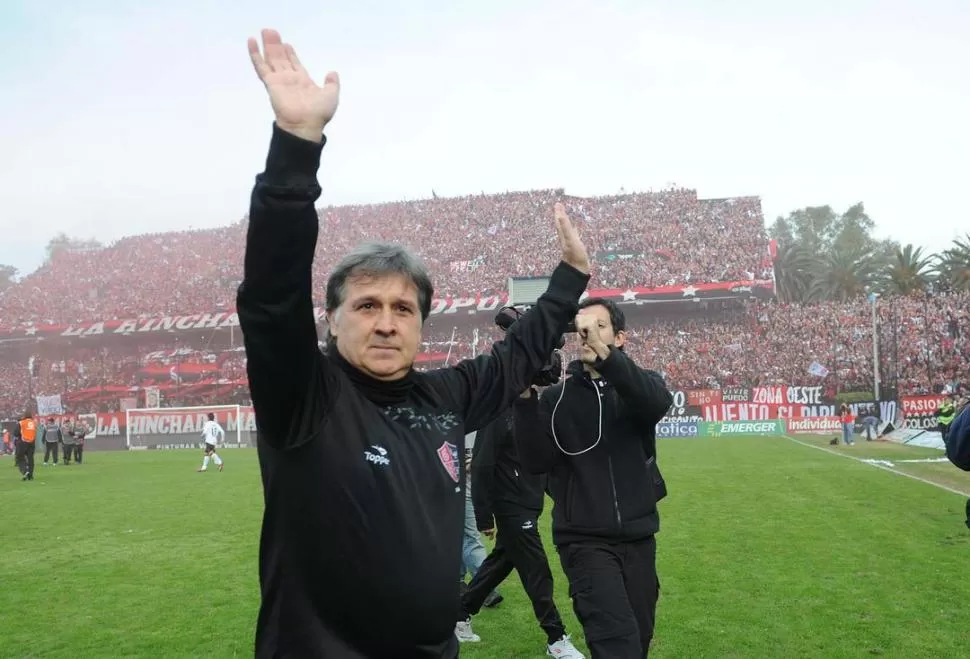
(379, 392)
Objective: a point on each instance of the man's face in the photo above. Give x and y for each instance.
(378, 325)
(602, 315)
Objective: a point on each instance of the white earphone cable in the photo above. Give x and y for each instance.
(552, 421)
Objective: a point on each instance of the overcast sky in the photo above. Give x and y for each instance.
(119, 119)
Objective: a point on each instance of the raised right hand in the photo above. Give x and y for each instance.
(573, 249)
(302, 107)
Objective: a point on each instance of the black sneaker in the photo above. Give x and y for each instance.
(493, 600)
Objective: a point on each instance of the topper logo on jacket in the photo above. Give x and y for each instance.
(379, 457)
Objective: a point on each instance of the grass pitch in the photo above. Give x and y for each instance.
(768, 548)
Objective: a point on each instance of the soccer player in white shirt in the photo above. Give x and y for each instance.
(212, 433)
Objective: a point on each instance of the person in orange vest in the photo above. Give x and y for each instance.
(7, 448)
(26, 447)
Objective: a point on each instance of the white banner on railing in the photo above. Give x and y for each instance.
(48, 405)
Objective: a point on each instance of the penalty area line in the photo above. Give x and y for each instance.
(878, 466)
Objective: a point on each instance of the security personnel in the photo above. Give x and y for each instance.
(945, 415)
(80, 430)
(52, 438)
(26, 447)
(67, 440)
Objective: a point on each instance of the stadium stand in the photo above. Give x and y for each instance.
(472, 244)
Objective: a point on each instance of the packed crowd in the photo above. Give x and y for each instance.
(472, 244)
(924, 347)
(98, 379)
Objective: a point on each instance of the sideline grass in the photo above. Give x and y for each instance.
(767, 549)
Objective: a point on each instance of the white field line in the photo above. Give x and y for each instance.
(878, 466)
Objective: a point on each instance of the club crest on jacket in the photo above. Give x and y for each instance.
(448, 454)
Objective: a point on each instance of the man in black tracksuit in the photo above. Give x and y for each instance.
(359, 453)
(508, 501)
(594, 434)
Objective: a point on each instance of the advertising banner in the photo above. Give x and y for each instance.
(726, 428)
(677, 429)
(822, 425)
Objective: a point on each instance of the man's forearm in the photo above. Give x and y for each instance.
(644, 390)
(483, 482)
(533, 444)
(274, 301)
(283, 225)
(497, 379)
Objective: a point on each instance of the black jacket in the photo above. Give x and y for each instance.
(611, 491)
(500, 485)
(362, 480)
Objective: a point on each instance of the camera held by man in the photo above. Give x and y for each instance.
(551, 372)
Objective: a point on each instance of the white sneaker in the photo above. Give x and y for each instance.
(564, 649)
(463, 630)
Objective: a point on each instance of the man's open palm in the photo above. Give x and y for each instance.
(302, 106)
(573, 249)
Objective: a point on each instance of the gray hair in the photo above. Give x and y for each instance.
(380, 259)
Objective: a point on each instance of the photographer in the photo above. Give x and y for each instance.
(359, 453)
(594, 434)
(508, 501)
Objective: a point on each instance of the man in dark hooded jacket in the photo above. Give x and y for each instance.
(594, 434)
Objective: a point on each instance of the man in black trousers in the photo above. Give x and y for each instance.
(509, 500)
(594, 434)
